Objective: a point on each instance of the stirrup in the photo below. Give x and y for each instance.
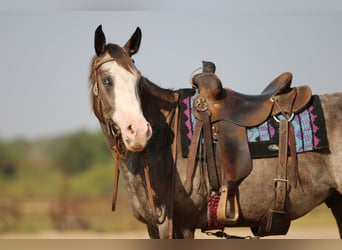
(233, 215)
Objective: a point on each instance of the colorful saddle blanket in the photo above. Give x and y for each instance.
(309, 129)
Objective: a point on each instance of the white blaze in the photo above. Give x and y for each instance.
(127, 108)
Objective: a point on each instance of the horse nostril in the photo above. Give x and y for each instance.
(149, 130)
(130, 128)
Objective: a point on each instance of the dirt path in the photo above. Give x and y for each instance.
(294, 233)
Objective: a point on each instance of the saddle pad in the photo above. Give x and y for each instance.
(309, 130)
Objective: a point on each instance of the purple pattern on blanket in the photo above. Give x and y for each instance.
(187, 112)
(315, 128)
(304, 126)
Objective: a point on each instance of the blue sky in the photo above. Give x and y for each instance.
(45, 53)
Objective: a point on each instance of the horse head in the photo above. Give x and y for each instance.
(114, 83)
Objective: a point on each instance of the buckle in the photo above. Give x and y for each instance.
(289, 118)
(276, 180)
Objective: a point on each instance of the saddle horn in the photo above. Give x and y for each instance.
(208, 67)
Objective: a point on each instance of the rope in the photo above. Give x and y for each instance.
(222, 234)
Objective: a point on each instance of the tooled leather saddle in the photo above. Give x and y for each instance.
(222, 116)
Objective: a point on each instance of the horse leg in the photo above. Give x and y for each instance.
(188, 233)
(334, 202)
(153, 232)
(178, 232)
(337, 212)
(183, 233)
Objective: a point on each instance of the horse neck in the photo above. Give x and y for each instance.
(154, 99)
(163, 96)
(159, 106)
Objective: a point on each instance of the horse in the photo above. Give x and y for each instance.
(140, 124)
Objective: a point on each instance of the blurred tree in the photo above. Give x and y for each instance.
(74, 154)
(11, 154)
(8, 170)
(77, 152)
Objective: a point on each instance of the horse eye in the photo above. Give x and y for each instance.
(106, 81)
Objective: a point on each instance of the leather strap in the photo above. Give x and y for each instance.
(203, 125)
(293, 153)
(173, 170)
(149, 189)
(292, 143)
(116, 180)
(192, 155)
(209, 152)
(281, 181)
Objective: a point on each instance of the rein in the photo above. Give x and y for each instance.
(117, 145)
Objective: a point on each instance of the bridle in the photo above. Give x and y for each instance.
(117, 145)
(113, 129)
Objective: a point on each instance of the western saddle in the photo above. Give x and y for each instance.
(222, 116)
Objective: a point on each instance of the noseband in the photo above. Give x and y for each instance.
(113, 129)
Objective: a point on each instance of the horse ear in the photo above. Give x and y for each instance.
(133, 44)
(99, 41)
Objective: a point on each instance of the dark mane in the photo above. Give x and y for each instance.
(167, 95)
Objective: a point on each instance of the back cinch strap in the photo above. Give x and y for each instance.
(281, 181)
(213, 178)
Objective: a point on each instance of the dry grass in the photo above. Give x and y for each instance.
(94, 215)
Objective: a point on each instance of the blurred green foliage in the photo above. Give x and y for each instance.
(37, 168)
(77, 152)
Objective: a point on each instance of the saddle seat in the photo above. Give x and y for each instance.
(251, 110)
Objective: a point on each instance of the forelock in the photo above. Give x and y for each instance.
(121, 57)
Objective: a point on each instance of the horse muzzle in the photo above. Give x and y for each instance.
(136, 136)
